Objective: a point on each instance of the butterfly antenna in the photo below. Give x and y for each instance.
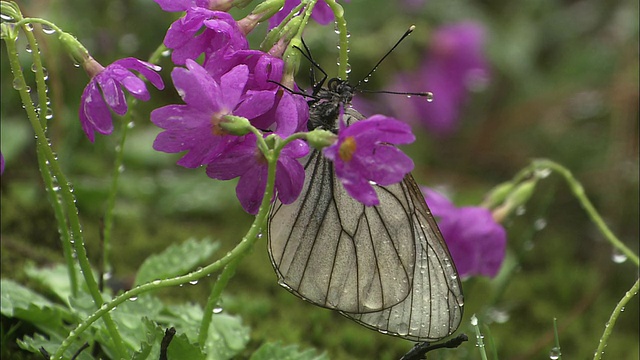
(366, 78)
(307, 55)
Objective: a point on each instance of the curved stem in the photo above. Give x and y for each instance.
(65, 191)
(252, 235)
(214, 299)
(608, 328)
(579, 193)
(39, 21)
(50, 186)
(239, 251)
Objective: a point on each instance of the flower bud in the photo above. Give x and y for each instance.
(516, 198)
(319, 138)
(74, 48)
(498, 194)
(261, 13)
(235, 125)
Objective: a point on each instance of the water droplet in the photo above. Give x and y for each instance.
(133, 298)
(7, 18)
(429, 96)
(554, 354)
(18, 84)
(28, 48)
(474, 320)
(166, 53)
(217, 310)
(193, 282)
(48, 29)
(540, 224)
(366, 80)
(520, 210)
(543, 173)
(131, 125)
(28, 27)
(622, 309)
(49, 114)
(156, 282)
(259, 236)
(618, 257)
(121, 168)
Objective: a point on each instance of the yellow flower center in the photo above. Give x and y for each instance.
(347, 148)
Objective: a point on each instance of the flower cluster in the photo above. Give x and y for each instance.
(232, 81)
(476, 241)
(224, 83)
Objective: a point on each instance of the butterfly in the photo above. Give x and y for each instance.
(386, 267)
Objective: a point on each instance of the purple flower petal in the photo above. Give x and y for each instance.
(476, 242)
(105, 91)
(364, 153)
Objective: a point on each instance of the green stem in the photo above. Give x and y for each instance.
(579, 193)
(479, 337)
(117, 170)
(113, 190)
(48, 180)
(214, 299)
(239, 251)
(39, 21)
(341, 24)
(65, 191)
(608, 328)
(253, 235)
(557, 339)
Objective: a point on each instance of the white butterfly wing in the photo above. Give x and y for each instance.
(433, 309)
(333, 251)
(386, 267)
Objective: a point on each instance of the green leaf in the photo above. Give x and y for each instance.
(179, 348)
(129, 318)
(175, 260)
(20, 302)
(55, 278)
(276, 351)
(150, 348)
(227, 335)
(52, 344)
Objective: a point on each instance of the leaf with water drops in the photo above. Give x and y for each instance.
(176, 260)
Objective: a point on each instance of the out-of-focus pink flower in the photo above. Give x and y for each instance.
(454, 64)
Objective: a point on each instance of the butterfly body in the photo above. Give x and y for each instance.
(386, 266)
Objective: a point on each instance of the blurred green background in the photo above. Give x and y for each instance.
(564, 86)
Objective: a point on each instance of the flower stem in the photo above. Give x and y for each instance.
(254, 233)
(65, 190)
(50, 186)
(214, 299)
(237, 252)
(579, 193)
(341, 27)
(608, 328)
